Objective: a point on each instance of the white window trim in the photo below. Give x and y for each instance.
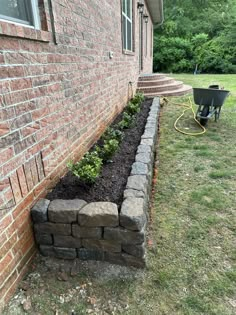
(35, 15)
(130, 19)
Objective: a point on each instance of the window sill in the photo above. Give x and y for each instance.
(128, 52)
(16, 30)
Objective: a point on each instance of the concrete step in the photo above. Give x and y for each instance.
(159, 82)
(185, 89)
(175, 85)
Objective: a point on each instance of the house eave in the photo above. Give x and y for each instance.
(156, 10)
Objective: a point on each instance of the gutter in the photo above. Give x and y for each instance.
(156, 25)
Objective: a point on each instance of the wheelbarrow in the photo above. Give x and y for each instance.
(210, 102)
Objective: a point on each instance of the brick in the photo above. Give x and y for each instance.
(4, 128)
(47, 250)
(5, 261)
(22, 181)
(9, 140)
(132, 214)
(15, 187)
(39, 212)
(4, 223)
(89, 254)
(34, 171)
(8, 245)
(65, 253)
(23, 205)
(6, 155)
(66, 241)
(135, 250)
(26, 258)
(102, 245)
(21, 121)
(4, 289)
(28, 175)
(9, 43)
(65, 211)
(86, 232)
(24, 144)
(123, 236)
(30, 129)
(4, 183)
(53, 228)
(99, 214)
(43, 239)
(16, 97)
(40, 167)
(11, 72)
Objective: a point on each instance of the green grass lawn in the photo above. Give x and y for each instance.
(191, 264)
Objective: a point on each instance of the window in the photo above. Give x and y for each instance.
(20, 11)
(127, 25)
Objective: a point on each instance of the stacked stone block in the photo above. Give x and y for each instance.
(72, 229)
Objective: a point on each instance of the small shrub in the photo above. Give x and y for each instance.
(132, 108)
(108, 149)
(88, 168)
(138, 98)
(126, 122)
(112, 133)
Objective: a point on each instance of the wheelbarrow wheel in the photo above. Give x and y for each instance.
(204, 113)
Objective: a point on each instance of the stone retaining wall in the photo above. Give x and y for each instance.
(72, 229)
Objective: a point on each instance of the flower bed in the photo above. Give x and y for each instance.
(102, 230)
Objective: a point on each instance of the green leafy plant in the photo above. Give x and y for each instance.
(138, 98)
(126, 122)
(108, 149)
(112, 133)
(88, 168)
(132, 108)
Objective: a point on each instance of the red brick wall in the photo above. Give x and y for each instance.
(56, 99)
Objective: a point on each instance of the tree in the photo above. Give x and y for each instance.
(199, 32)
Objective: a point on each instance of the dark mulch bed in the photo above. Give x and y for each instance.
(111, 183)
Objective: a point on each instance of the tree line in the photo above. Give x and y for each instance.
(196, 36)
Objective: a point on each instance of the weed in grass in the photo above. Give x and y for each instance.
(209, 197)
(189, 139)
(214, 137)
(220, 174)
(220, 285)
(198, 168)
(195, 303)
(200, 147)
(216, 166)
(212, 220)
(196, 232)
(204, 153)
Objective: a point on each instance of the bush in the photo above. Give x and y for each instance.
(138, 98)
(132, 108)
(112, 133)
(109, 148)
(88, 168)
(126, 122)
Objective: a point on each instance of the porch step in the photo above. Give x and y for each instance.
(158, 84)
(152, 77)
(161, 88)
(161, 81)
(185, 89)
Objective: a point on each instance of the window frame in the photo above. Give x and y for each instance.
(129, 19)
(33, 12)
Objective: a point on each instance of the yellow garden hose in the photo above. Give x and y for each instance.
(188, 107)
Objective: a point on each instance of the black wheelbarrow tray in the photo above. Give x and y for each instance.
(210, 101)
